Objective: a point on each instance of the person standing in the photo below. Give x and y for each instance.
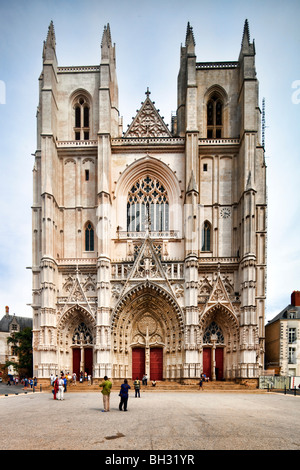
(137, 386)
(65, 382)
(61, 387)
(55, 387)
(201, 384)
(124, 395)
(145, 379)
(106, 389)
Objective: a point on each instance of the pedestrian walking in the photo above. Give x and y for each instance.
(201, 384)
(124, 395)
(106, 389)
(137, 386)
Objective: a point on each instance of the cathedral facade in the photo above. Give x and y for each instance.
(149, 246)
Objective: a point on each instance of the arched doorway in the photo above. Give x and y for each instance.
(147, 334)
(82, 349)
(213, 346)
(76, 333)
(220, 343)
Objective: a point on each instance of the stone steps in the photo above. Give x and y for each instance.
(161, 386)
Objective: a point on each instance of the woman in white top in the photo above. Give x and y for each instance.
(61, 387)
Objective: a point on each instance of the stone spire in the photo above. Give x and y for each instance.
(246, 47)
(49, 49)
(51, 41)
(106, 43)
(246, 34)
(190, 40)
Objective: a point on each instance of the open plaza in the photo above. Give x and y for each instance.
(158, 420)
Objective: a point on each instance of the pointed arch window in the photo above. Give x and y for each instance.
(215, 117)
(147, 201)
(82, 119)
(213, 330)
(89, 237)
(82, 335)
(206, 236)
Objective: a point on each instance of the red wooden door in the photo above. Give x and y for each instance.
(207, 362)
(76, 361)
(88, 361)
(138, 363)
(219, 363)
(156, 364)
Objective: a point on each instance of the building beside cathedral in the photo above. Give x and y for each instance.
(10, 324)
(282, 340)
(149, 246)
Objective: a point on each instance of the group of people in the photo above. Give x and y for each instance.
(31, 382)
(123, 394)
(59, 386)
(203, 378)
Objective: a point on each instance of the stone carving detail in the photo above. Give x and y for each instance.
(179, 290)
(116, 290)
(213, 331)
(68, 284)
(147, 325)
(148, 122)
(82, 335)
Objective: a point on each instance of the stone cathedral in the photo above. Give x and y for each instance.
(149, 245)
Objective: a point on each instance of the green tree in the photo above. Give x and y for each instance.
(22, 345)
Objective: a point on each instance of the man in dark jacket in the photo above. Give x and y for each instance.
(124, 395)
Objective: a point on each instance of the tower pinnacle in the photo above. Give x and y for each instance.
(247, 48)
(189, 39)
(246, 34)
(49, 49)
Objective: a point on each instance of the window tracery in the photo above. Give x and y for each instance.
(214, 117)
(213, 330)
(82, 119)
(147, 201)
(82, 335)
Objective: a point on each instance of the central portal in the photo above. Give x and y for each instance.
(139, 367)
(147, 335)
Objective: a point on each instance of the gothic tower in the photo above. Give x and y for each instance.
(149, 244)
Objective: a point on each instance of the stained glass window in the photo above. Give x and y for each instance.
(213, 329)
(147, 202)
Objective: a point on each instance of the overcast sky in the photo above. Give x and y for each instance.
(148, 35)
